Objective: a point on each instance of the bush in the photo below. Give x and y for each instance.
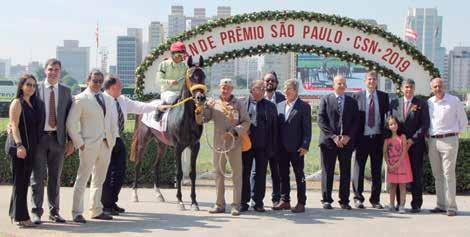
(462, 170)
(69, 172)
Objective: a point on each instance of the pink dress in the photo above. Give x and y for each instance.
(402, 174)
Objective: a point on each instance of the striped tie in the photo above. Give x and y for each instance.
(120, 116)
(52, 121)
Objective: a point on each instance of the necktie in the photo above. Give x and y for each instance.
(101, 103)
(371, 118)
(406, 109)
(52, 121)
(120, 116)
(340, 105)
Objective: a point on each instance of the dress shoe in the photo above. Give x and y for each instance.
(299, 208)
(327, 205)
(119, 209)
(26, 224)
(79, 219)
(437, 210)
(451, 213)
(235, 212)
(345, 206)
(244, 207)
(216, 210)
(103, 216)
(282, 206)
(358, 204)
(35, 219)
(259, 209)
(377, 206)
(110, 211)
(275, 203)
(415, 210)
(56, 218)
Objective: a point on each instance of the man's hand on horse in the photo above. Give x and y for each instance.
(173, 82)
(210, 103)
(163, 108)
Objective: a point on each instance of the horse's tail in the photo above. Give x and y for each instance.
(135, 141)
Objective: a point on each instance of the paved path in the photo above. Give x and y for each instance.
(150, 218)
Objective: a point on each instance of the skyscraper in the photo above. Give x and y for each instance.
(199, 17)
(5, 67)
(137, 33)
(75, 59)
(222, 69)
(247, 68)
(156, 34)
(459, 68)
(126, 58)
(223, 11)
(176, 21)
(428, 27)
(280, 63)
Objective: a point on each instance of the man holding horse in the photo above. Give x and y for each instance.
(231, 120)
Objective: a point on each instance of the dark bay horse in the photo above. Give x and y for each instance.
(182, 131)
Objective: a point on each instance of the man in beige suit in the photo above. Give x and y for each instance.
(230, 120)
(95, 139)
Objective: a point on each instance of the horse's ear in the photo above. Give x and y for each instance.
(190, 62)
(201, 61)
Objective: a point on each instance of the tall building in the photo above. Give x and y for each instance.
(459, 68)
(176, 21)
(75, 59)
(222, 69)
(5, 67)
(282, 64)
(16, 71)
(428, 27)
(126, 58)
(199, 17)
(113, 69)
(156, 34)
(137, 33)
(247, 68)
(34, 66)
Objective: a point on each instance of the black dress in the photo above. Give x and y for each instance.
(29, 125)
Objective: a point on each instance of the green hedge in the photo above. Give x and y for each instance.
(167, 167)
(462, 170)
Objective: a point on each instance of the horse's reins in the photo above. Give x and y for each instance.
(191, 87)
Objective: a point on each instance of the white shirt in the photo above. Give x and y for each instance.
(129, 106)
(447, 115)
(273, 98)
(289, 107)
(47, 94)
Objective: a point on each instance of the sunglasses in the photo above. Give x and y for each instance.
(31, 85)
(96, 81)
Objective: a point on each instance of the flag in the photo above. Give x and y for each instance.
(409, 32)
(97, 34)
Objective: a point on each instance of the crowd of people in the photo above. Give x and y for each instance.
(47, 124)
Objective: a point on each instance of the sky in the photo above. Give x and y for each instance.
(31, 30)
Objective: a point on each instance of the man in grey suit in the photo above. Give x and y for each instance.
(53, 143)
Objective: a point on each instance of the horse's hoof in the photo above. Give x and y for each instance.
(181, 206)
(194, 207)
(160, 198)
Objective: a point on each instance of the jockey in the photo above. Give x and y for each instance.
(171, 75)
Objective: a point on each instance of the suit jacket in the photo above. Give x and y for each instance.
(295, 131)
(64, 102)
(279, 97)
(265, 134)
(330, 123)
(222, 123)
(94, 124)
(361, 103)
(416, 124)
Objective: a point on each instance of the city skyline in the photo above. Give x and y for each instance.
(51, 29)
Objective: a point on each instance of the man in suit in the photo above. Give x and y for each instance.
(270, 82)
(117, 166)
(413, 113)
(263, 135)
(373, 107)
(95, 139)
(337, 120)
(53, 143)
(295, 133)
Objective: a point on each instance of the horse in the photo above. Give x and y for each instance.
(182, 131)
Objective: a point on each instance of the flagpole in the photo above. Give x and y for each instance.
(97, 33)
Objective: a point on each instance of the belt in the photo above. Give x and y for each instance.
(50, 133)
(444, 135)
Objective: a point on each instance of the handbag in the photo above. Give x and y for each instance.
(10, 145)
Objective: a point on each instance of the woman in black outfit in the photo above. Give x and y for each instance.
(24, 112)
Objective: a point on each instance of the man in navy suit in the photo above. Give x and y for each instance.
(270, 82)
(337, 120)
(295, 133)
(373, 107)
(413, 113)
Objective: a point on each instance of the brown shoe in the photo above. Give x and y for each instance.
(282, 206)
(299, 208)
(216, 210)
(103, 216)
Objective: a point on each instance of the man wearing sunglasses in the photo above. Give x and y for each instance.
(171, 74)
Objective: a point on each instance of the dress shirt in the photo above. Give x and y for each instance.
(447, 115)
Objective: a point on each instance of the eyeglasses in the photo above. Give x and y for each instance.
(96, 81)
(31, 85)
